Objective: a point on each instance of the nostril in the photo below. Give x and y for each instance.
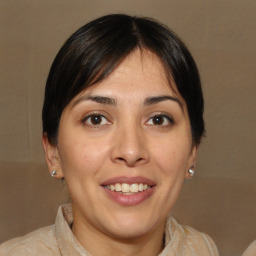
(129, 162)
(120, 159)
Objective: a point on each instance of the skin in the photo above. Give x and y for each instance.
(127, 142)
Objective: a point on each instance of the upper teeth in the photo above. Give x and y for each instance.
(126, 188)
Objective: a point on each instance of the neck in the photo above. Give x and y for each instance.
(150, 244)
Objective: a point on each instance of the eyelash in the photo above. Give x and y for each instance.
(166, 118)
(86, 118)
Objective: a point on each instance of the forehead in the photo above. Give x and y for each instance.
(140, 73)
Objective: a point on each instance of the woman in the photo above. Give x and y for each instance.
(122, 121)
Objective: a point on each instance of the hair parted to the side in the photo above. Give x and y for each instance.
(95, 50)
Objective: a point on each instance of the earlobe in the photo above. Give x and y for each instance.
(52, 158)
(191, 163)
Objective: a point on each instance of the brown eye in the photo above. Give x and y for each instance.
(95, 120)
(160, 120)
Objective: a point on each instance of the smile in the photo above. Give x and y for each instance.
(128, 189)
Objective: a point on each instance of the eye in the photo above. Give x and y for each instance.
(95, 120)
(160, 120)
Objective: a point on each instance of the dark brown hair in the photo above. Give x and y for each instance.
(95, 50)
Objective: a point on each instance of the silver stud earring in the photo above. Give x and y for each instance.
(191, 172)
(53, 173)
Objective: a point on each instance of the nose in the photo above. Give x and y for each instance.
(130, 147)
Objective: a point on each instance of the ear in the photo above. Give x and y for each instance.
(52, 157)
(191, 161)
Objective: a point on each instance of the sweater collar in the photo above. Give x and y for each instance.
(69, 245)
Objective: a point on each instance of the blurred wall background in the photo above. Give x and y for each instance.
(220, 34)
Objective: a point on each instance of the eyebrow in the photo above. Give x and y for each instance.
(154, 100)
(113, 102)
(98, 99)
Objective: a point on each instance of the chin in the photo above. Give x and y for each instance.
(130, 232)
(132, 226)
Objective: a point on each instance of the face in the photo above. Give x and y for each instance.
(124, 148)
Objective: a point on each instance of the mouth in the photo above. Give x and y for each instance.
(129, 191)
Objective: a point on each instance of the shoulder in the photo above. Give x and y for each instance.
(251, 250)
(195, 241)
(39, 242)
(200, 241)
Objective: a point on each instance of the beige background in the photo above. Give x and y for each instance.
(221, 35)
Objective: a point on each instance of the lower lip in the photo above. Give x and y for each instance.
(129, 200)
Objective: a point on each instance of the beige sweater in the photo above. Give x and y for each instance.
(251, 250)
(58, 240)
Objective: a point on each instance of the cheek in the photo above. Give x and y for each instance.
(172, 156)
(81, 156)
